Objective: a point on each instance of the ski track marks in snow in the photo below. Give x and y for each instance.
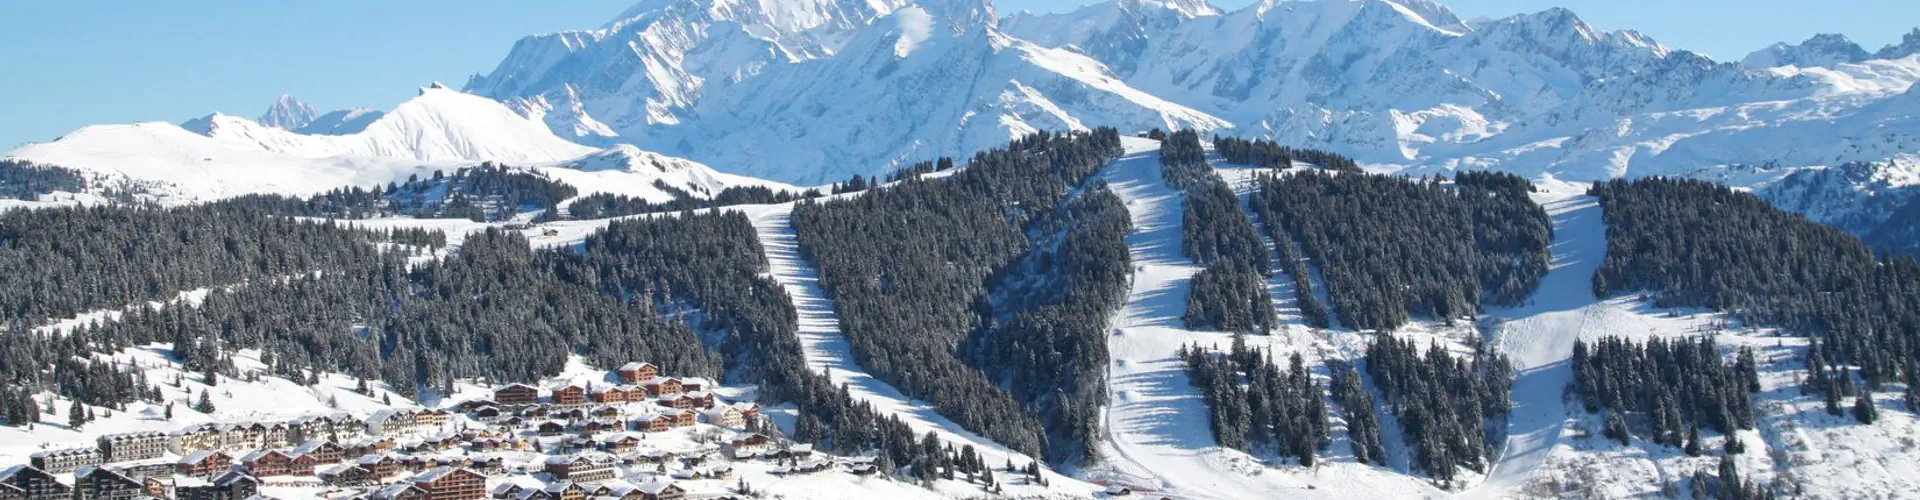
(1156, 422)
(827, 349)
(1539, 336)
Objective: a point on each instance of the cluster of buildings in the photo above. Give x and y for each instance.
(625, 441)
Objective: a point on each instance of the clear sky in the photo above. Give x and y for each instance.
(69, 63)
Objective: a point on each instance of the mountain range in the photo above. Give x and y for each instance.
(814, 91)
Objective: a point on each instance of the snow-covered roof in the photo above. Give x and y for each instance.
(434, 474)
(654, 487)
(636, 365)
(198, 456)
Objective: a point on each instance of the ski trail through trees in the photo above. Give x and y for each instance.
(1539, 339)
(828, 351)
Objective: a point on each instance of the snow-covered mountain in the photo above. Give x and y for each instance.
(1822, 50)
(220, 156)
(818, 93)
(288, 113)
(813, 91)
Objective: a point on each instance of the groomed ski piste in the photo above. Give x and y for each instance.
(827, 351)
(1158, 441)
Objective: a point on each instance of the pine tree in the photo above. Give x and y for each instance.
(1616, 427)
(1693, 441)
(206, 403)
(76, 416)
(1864, 409)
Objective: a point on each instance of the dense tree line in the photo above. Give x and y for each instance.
(1676, 387)
(1450, 409)
(709, 265)
(1363, 425)
(62, 261)
(910, 298)
(488, 192)
(25, 180)
(922, 168)
(1230, 292)
(604, 205)
(313, 297)
(1390, 248)
(1262, 153)
(1255, 406)
(1688, 243)
(1047, 334)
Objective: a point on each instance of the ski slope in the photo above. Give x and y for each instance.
(827, 350)
(1156, 422)
(1538, 338)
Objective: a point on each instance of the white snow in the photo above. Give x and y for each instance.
(827, 350)
(1158, 438)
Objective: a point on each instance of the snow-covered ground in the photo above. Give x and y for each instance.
(827, 350)
(1156, 423)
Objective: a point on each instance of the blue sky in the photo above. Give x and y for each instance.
(71, 63)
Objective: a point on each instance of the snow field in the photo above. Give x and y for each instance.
(1158, 438)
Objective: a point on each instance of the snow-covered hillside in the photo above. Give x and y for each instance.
(441, 129)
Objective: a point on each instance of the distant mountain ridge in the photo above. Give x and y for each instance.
(816, 93)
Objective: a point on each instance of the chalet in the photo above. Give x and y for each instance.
(569, 395)
(31, 483)
(400, 491)
(272, 435)
(100, 483)
(323, 452)
(226, 486)
(67, 460)
(146, 469)
(719, 471)
(487, 413)
(11, 492)
(679, 401)
(701, 399)
(662, 386)
(565, 490)
(535, 412)
(346, 475)
(381, 466)
(490, 465)
(609, 394)
(470, 405)
(636, 372)
(516, 394)
(800, 451)
(660, 490)
(301, 464)
(661, 423)
(726, 416)
(619, 444)
(599, 426)
(683, 418)
(432, 418)
(755, 442)
(605, 412)
(585, 467)
(267, 463)
(204, 463)
(393, 422)
(367, 446)
(636, 392)
(695, 384)
(197, 438)
(235, 436)
(748, 410)
(451, 483)
(132, 446)
(575, 414)
(552, 428)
